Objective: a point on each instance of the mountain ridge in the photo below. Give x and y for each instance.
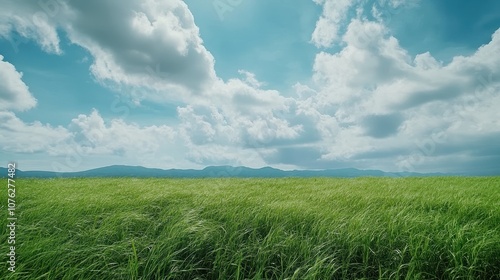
(223, 171)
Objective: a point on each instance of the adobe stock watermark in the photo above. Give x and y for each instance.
(427, 147)
(224, 6)
(424, 148)
(48, 9)
(11, 217)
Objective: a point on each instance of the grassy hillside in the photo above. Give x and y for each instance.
(366, 228)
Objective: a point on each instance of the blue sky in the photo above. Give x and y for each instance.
(396, 85)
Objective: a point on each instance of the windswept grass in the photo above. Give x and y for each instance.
(366, 228)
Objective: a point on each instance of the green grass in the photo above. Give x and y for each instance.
(365, 228)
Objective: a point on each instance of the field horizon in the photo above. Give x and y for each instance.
(228, 171)
(288, 228)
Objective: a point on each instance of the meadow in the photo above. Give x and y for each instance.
(293, 228)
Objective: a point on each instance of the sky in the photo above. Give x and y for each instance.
(393, 85)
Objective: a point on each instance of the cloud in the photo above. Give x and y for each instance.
(29, 20)
(87, 135)
(370, 58)
(20, 137)
(374, 68)
(372, 94)
(14, 93)
(95, 141)
(241, 118)
(148, 44)
(240, 112)
(142, 43)
(96, 136)
(204, 128)
(328, 25)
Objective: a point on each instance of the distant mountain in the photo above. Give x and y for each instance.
(212, 172)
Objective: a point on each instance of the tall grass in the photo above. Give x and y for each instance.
(366, 228)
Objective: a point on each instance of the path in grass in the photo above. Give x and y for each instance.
(372, 228)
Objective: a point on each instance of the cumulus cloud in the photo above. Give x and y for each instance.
(149, 44)
(374, 68)
(328, 25)
(95, 140)
(14, 93)
(370, 58)
(90, 136)
(21, 137)
(373, 94)
(30, 20)
(119, 138)
(240, 113)
(145, 43)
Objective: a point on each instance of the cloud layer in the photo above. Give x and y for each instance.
(370, 102)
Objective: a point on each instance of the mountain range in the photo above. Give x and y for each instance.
(213, 172)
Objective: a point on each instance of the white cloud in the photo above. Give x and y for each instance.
(328, 25)
(14, 93)
(255, 114)
(154, 44)
(89, 138)
(374, 69)
(147, 44)
(29, 20)
(120, 138)
(95, 141)
(20, 137)
(240, 117)
(199, 129)
(336, 15)
(372, 95)
(371, 57)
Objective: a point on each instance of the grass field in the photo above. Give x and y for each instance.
(365, 228)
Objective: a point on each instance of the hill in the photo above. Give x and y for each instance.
(213, 172)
